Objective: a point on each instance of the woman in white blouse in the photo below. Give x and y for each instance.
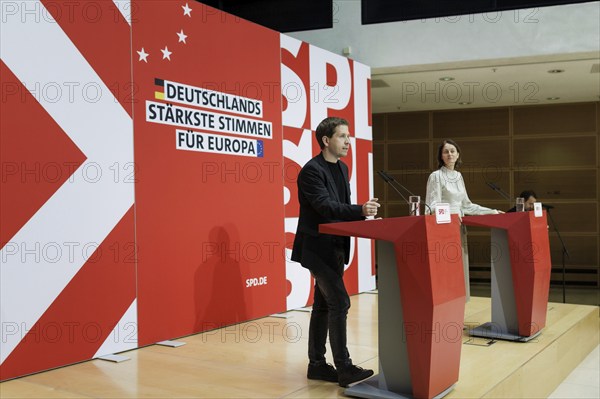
(446, 185)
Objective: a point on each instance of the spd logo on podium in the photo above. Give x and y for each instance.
(442, 213)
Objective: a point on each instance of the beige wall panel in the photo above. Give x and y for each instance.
(408, 126)
(396, 210)
(574, 218)
(560, 118)
(479, 249)
(379, 127)
(555, 152)
(472, 123)
(488, 154)
(582, 251)
(378, 156)
(557, 184)
(407, 156)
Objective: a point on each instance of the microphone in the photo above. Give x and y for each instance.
(388, 179)
(385, 177)
(491, 185)
(391, 181)
(497, 189)
(547, 206)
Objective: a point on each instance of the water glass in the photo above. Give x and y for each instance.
(520, 204)
(413, 202)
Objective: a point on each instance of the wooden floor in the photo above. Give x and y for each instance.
(266, 358)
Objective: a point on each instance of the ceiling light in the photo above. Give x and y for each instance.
(464, 103)
(446, 78)
(556, 71)
(553, 98)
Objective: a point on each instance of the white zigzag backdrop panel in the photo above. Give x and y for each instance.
(71, 255)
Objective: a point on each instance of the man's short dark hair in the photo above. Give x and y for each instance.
(528, 193)
(327, 128)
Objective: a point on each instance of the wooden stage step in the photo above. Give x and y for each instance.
(525, 370)
(267, 358)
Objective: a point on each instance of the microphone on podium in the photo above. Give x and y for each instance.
(388, 179)
(498, 190)
(491, 185)
(393, 183)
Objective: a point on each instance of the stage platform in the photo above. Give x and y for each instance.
(503, 369)
(266, 358)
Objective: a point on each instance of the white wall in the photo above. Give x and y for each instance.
(542, 31)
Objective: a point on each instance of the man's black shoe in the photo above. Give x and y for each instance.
(351, 374)
(324, 372)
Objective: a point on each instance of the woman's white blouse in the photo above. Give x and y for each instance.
(447, 186)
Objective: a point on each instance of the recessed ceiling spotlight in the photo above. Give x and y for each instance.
(556, 71)
(464, 103)
(446, 78)
(553, 98)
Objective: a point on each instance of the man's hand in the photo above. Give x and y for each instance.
(369, 208)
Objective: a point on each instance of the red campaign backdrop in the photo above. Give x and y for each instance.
(206, 223)
(317, 84)
(155, 242)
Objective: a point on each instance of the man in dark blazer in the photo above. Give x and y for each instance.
(324, 196)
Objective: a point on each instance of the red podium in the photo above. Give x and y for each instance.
(521, 270)
(421, 305)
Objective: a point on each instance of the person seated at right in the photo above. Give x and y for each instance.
(530, 198)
